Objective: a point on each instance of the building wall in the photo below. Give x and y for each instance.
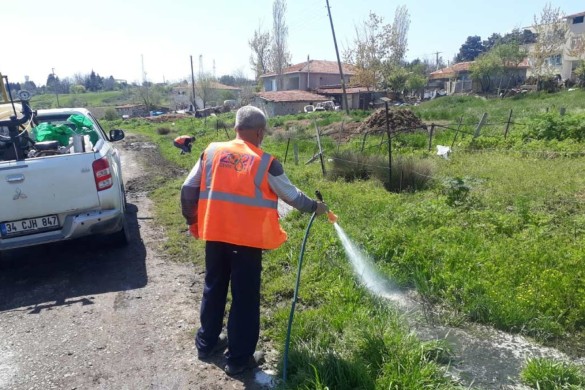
(304, 81)
(273, 109)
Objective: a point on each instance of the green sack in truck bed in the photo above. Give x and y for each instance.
(48, 132)
(83, 125)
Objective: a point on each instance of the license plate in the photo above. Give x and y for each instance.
(28, 226)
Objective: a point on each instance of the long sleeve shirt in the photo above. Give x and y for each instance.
(277, 180)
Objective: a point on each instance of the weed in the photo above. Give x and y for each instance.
(548, 374)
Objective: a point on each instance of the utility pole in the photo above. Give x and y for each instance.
(338, 60)
(193, 85)
(437, 59)
(55, 86)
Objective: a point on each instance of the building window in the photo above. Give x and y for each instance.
(555, 60)
(578, 19)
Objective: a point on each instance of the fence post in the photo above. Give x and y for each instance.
(286, 153)
(562, 111)
(389, 146)
(431, 131)
(508, 124)
(480, 125)
(457, 131)
(320, 149)
(296, 152)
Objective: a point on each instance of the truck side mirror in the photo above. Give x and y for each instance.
(116, 135)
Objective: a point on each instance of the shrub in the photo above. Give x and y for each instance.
(163, 130)
(111, 114)
(407, 174)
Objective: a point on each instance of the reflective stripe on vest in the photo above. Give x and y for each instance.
(258, 200)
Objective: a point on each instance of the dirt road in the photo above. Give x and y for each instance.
(83, 315)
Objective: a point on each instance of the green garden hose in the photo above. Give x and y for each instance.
(294, 302)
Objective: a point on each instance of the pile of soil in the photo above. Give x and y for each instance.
(402, 120)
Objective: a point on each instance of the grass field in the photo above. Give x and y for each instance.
(497, 238)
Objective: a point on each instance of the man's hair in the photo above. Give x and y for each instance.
(250, 118)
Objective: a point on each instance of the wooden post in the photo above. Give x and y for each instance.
(508, 124)
(480, 125)
(296, 152)
(389, 146)
(286, 153)
(457, 131)
(320, 149)
(431, 131)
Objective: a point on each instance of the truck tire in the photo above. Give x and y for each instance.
(122, 237)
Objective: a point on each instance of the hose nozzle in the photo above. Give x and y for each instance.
(332, 217)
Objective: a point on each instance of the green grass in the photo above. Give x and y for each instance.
(497, 238)
(548, 374)
(88, 99)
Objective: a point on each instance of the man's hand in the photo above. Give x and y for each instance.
(321, 208)
(194, 230)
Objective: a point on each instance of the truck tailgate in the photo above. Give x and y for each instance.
(47, 186)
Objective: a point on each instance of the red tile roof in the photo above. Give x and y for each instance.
(316, 66)
(337, 90)
(454, 69)
(291, 96)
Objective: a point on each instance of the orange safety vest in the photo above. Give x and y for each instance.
(236, 204)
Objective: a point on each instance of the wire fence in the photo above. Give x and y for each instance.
(383, 142)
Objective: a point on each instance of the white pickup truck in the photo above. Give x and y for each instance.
(53, 192)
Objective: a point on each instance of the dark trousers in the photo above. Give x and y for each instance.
(242, 266)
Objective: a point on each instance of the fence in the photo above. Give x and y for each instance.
(486, 126)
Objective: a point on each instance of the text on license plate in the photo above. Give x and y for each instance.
(25, 226)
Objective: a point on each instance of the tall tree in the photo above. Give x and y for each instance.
(260, 57)
(370, 49)
(399, 34)
(472, 48)
(280, 55)
(551, 35)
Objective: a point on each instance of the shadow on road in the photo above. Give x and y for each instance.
(69, 273)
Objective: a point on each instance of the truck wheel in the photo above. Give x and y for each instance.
(121, 238)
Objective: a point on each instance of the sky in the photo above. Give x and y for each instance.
(123, 38)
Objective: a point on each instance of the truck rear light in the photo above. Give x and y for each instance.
(102, 174)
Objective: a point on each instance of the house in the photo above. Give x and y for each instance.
(357, 97)
(132, 110)
(568, 57)
(453, 79)
(307, 76)
(275, 103)
(457, 78)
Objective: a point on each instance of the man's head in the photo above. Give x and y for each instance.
(250, 124)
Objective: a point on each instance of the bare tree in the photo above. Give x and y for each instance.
(260, 45)
(280, 56)
(204, 87)
(399, 32)
(551, 30)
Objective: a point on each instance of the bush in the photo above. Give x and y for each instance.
(407, 174)
(111, 114)
(163, 130)
(553, 126)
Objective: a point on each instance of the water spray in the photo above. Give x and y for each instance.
(333, 219)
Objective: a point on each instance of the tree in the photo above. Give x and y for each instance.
(371, 47)
(204, 87)
(484, 68)
(260, 57)
(471, 49)
(492, 41)
(280, 56)
(551, 34)
(228, 80)
(399, 33)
